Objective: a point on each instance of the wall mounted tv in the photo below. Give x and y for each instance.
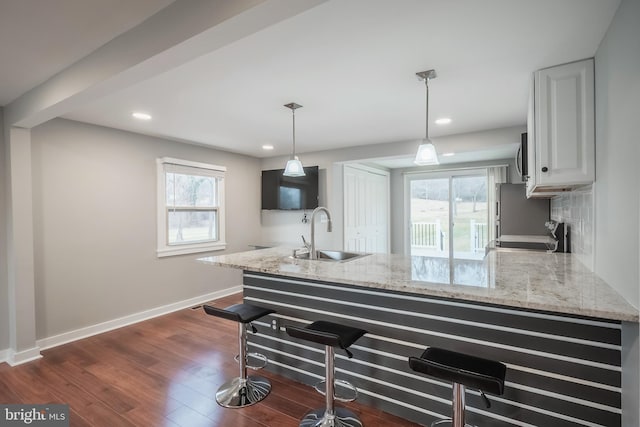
(290, 193)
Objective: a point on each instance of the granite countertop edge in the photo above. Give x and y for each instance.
(542, 296)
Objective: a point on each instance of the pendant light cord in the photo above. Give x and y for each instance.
(426, 84)
(293, 112)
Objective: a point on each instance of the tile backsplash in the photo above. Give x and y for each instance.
(576, 210)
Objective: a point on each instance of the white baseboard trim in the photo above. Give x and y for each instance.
(4, 355)
(99, 328)
(24, 356)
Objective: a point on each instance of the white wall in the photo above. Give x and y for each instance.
(4, 285)
(286, 227)
(95, 225)
(617, 196)
(616, 190)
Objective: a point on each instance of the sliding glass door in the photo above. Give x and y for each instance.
(429, 217)
(447, 226)
(469, 214)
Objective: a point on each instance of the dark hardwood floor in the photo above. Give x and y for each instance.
(161, 372)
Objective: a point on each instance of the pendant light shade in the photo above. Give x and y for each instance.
(294, 165)
(426, 154)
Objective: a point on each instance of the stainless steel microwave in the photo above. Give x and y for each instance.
(522, 159)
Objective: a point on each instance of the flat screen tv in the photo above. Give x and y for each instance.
(281, 192)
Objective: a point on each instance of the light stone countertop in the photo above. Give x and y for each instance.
(533, 280)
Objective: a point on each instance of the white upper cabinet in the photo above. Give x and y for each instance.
(562, 149)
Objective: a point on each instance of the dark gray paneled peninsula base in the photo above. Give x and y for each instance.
(562, 371)
(563, 368)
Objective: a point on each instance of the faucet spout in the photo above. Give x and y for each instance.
(313, 254)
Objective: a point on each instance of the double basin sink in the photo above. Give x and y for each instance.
(331, 256)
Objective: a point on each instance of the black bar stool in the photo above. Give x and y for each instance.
(331, 335)
(464, 371)
(243, 390)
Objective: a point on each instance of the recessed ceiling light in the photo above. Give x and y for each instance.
(141, 116)
(267, 147)
(448, 154)
(443, 121)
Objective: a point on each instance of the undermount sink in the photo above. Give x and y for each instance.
(334, 256)
(338, 255)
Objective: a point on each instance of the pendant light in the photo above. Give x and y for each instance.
(426, 150)
(294, 166)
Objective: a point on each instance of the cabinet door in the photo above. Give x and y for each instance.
(564, 124)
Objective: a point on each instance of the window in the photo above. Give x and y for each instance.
(190, 207)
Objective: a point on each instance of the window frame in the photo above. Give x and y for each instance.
(166, 165)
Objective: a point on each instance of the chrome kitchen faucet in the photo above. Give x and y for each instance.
(313, 254)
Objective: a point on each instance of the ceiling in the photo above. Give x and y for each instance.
(350, 63)
(40, 38)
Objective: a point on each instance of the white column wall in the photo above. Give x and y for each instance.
(22, 327)
(4, 290)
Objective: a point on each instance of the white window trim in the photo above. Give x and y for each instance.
(163, 249)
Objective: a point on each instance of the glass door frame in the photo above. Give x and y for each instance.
(438, 174)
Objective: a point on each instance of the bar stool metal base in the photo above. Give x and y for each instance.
(331, 335)
(446, 422)
(457, 420)
(340, 418)
(238, 392)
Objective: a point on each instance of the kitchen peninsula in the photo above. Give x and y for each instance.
(556, 325)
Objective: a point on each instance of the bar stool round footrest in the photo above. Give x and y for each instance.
(238, 392)
(351, 389)
(340, 418)
(261, 357)
(446, 422)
